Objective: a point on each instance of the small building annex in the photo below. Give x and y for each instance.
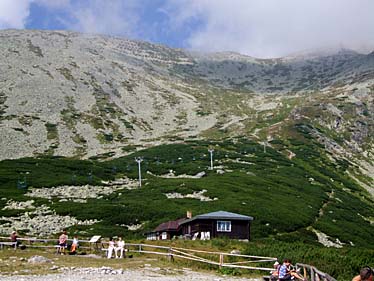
(166, 230)
(205, 226)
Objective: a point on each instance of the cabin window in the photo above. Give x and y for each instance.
(224, 226)
(152, 236)
(164, 236)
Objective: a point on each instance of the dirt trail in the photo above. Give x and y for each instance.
(144, 274)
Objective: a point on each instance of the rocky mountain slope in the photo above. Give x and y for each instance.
(70, 94)
(306, 72)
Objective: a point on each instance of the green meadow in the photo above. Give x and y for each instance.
(288, 197)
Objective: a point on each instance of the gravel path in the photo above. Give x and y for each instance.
(144, 274)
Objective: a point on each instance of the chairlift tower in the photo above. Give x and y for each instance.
(139, 160)
(266, 142)
(211, 158)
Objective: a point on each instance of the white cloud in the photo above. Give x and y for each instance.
(260, 28)
(14, 13)
(113, 17)
(269, 28)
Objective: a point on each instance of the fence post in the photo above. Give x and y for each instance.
(170, 255)
(312, 274)
(220, 260)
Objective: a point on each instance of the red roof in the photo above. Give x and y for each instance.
(169, 226)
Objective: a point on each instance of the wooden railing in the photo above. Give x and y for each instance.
(314, 273)
(219, 259)
(37, 242)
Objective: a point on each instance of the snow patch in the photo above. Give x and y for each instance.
(195, 195)
(325, 240)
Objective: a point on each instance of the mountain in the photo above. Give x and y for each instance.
(293, 134)
(72, 94)
(304, 72)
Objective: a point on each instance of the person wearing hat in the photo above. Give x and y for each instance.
(14, 239)
(275, 273)
(366, 274)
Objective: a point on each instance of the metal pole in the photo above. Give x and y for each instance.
(139, 160)
(140, 175)
(211, 158)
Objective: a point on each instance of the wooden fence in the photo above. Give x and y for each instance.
(36, 242)
(314, 273)
(220, 259)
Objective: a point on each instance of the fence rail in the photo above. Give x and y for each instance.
(208, 257)
(314, 273)
(220, 259)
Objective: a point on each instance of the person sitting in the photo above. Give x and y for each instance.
(120, 247)
(14, 239)
(285, 272)
(275, 273)
(295, 274)
(62, 240)
(110, 248)
(366, 274)
(74, 245)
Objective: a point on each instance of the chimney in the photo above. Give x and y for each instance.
(189, 214)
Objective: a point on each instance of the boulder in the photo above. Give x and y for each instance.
(38, 259)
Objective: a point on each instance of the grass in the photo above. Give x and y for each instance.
(342, 264)
(15, 262)
(276, 191)
(270, 199)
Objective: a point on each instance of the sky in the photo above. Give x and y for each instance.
(258, 28)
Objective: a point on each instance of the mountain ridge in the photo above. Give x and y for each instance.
(78, 95)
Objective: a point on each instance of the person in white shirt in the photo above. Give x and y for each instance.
(74, 245)
(120, 247)
(110, 248)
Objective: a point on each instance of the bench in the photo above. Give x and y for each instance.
(105, 251)
(10, 244)
(60, 249)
